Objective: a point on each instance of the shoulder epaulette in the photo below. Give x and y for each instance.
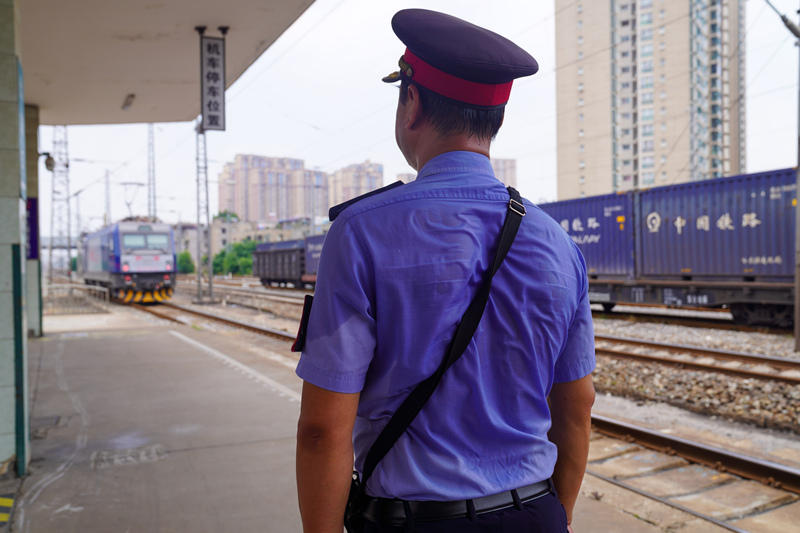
(336, 210)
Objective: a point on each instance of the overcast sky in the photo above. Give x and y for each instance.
(316, 95)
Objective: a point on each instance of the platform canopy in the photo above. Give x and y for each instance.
(82, 58)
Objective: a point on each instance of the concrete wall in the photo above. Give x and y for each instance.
(13, 328)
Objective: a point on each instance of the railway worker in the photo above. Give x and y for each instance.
(398, 270)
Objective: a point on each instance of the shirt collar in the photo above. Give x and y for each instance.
(457, 162)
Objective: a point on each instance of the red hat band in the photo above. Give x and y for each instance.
(469, 92)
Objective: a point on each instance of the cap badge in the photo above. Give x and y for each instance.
(405, 67)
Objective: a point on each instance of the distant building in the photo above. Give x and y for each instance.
(355, 180)
(225, 232)
(268, 189)
(185, 235)
(505, 170)
(407, 177)
(648, 93)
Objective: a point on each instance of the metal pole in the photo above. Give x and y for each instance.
(199, 226)
(797, 226)
(792, 27)
(208, 222)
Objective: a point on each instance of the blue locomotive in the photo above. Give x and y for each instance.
(134, 260)
(719, 242)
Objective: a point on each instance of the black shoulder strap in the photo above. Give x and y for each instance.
(413, 404)
(336, 210)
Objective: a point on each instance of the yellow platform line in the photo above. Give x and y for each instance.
(6, 502)
(3, 518)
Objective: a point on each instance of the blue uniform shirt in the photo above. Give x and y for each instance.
(397, 272)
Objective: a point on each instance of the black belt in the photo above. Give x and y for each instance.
(388, 512)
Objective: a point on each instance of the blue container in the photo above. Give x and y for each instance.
(313, 251)
(739, 228)
(602, 227)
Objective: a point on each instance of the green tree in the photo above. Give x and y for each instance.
(219, 263)
(185, 263)
(224, 214)
(238, 262)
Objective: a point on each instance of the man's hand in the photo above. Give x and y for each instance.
(324, 457)
(571, 412)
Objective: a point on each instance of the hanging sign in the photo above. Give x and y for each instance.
(212, 82)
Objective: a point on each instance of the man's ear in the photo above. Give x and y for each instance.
(413, 108)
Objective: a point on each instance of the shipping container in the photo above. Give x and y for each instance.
(727, 229)
(313, 252)
(602, 227)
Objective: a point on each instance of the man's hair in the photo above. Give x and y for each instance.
(448, 117)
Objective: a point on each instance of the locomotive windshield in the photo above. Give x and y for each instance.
(149, 241)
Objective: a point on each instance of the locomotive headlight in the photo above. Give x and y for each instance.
(125, 267)
(128, 280)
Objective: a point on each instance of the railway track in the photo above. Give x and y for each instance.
(171, 316)
(687, 321)
(694, 358)
(746, 366)
(693, 477)
(731, 490)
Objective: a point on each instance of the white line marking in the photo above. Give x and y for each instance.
(239, 366)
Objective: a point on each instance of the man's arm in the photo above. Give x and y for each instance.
(571, 410)
(324, 457)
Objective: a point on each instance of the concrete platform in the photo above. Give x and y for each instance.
(146, 426)
(153, 433)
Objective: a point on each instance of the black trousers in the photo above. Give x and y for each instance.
(542, 515)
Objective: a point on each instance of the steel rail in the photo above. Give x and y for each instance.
(248, 293)
(777, 362)
(687, 321)
(767, 472)
(212, 316)
(237, 323)
(690, 365)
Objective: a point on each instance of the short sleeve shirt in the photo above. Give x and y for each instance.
(396, 274)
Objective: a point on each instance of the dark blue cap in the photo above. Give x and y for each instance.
(457, 59)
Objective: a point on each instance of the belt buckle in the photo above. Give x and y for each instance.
(512, 205)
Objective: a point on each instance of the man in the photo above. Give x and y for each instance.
(398, 270)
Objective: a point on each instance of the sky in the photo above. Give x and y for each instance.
(316, 95)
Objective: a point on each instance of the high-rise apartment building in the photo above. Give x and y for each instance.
(353, 181)
(264, 189)
(505, 170)
(649, 93)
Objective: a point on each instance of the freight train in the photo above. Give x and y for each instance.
(726, 242)
(288, 262)
(134, 260)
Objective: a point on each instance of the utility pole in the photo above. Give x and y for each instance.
(202, 212)
(212, 117)
(59, 221)
(792, 27)
(108, 201)
(151, 173)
